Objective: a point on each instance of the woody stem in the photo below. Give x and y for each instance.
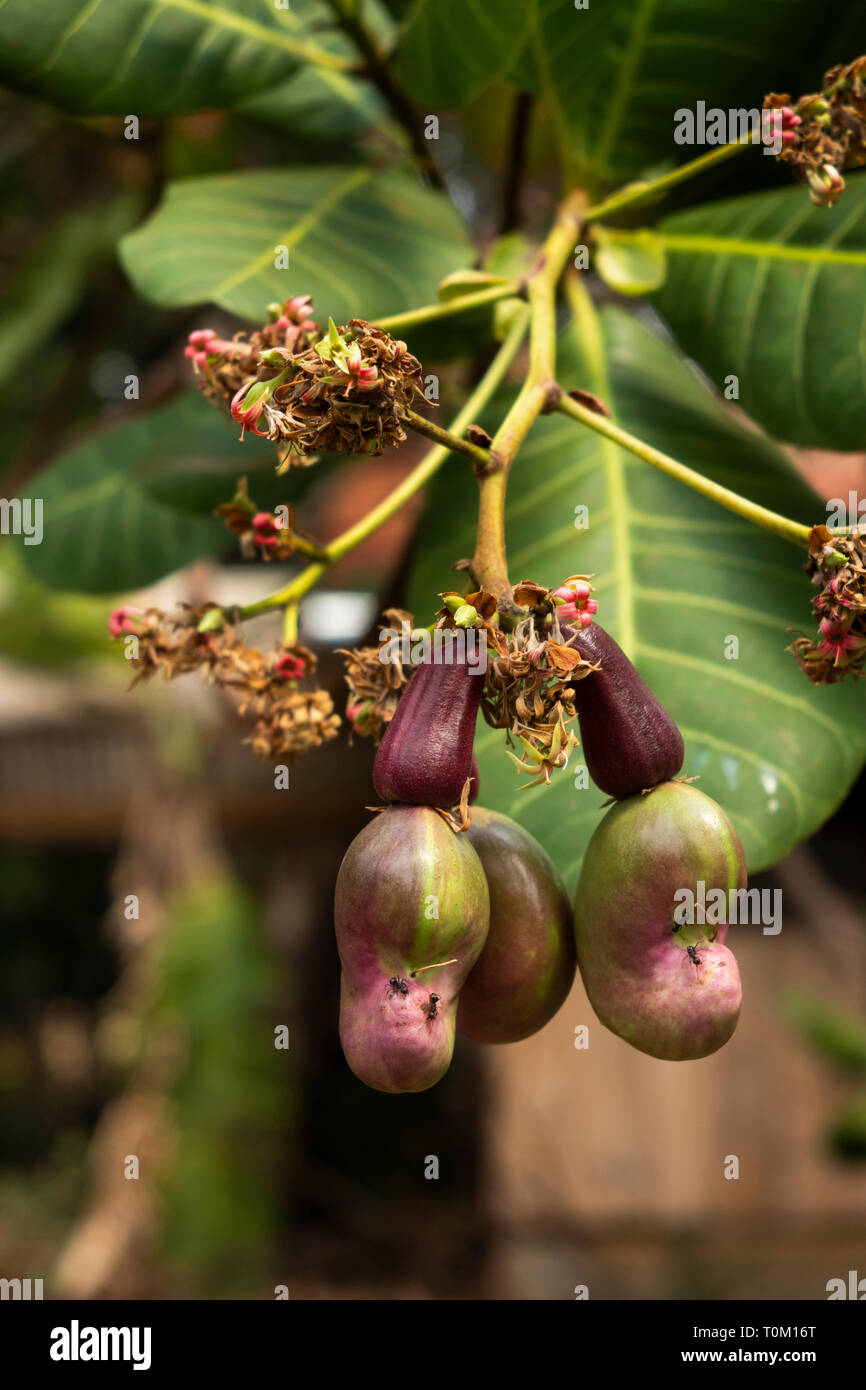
(376, 68)
(489, 564)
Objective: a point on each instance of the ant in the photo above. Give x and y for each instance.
(693, 955)
(431, 1011)
(398, 986)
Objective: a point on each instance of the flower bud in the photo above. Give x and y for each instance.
(465, 615)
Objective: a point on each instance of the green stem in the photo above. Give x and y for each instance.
(779, 525)
(480, 457)
(635, 193)
(402, 493)
(308, 548)
(290, 625)
(429, 313)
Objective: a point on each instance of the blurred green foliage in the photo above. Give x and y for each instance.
(230, 1098)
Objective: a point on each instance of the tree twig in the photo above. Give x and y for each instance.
(377, 69)
(489, 561)
(518, 141)
(480, 457)
(636, 193)
(779, 525)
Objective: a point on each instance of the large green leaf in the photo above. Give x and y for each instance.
(361, 242)
(675, 578)
(317, 106)
(772, 289)
(452, 49)
(156, 57)
(615, 73)
(117, 510)
(49, 284)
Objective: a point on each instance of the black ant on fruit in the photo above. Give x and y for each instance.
(431, 1008)
(693, 955)
(398, 986)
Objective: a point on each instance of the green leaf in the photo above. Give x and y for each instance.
(42, 628)
(452, 49)
(154, 57)
(363, 243)
(116, 508)
(675, 577)
(47, 287)
(614, 74)
(317, 105)
(771, 289)
(632, 263)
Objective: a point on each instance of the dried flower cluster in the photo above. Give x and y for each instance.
(288, 721)
(824, 133)
(269, 535)
(529, 691)
(375, 678)
(528, 687)
(840, 607)
(343, 393)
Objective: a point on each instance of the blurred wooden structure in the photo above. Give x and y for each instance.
(610, 1161)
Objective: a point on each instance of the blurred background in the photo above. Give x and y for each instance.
(165, 910)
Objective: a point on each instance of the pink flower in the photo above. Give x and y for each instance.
(838, 640)
(247, 405)
(123, 620)
(289, 666)
(266, 528)
(576, 606)
(204, 343)
(570, 613)
(360, 374)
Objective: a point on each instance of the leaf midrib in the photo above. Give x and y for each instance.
(641, 21)
(703, 244)
(298, 231)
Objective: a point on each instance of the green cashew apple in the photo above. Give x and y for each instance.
(668, 986)
(527, 966)
(412, 911)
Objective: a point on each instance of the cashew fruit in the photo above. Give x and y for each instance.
(668, 988)
(528, 962)
(425, 756)
(410, 894)
(629, 740)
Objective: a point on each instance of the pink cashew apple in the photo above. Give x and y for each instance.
(667, 986)
(412, 911)
(528, 962)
